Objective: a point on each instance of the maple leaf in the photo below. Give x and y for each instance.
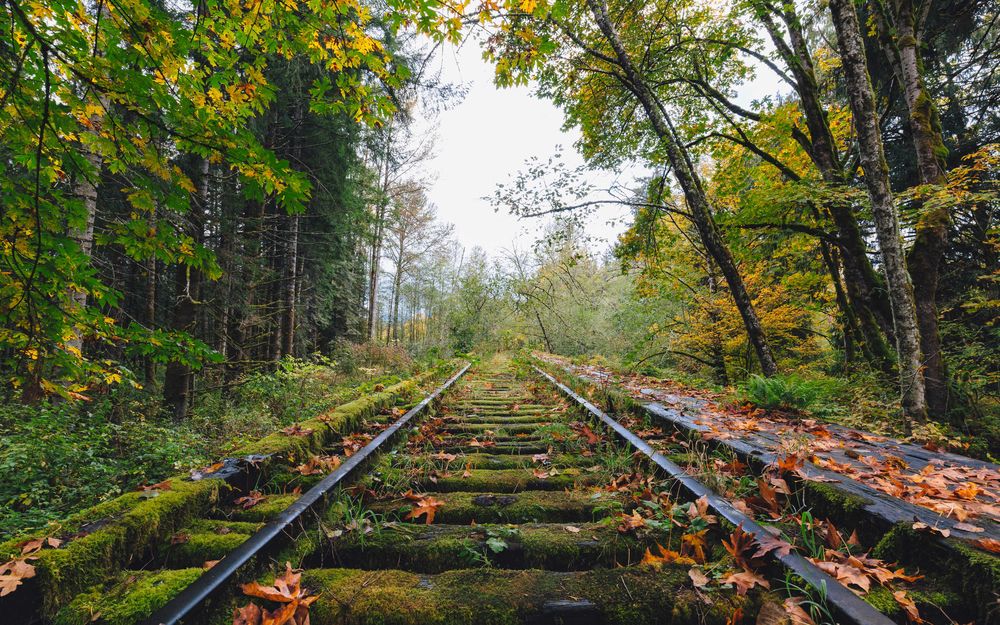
(12, 574)
(318, 465)
(249, 501)
(969, 491)
(744, 581)
(767, 544)
(694, 544)
(908, 605)
(164, 485)
(699, 510)
(789, 463)
(630, 522)
(423, 506)
(666, 556)
(250, 614)
(444, 456)
(286, 590)
(739, 545)
(540, 473)
(542, 458)
(795, 613)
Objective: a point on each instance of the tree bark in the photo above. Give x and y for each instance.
(690, 183)
(871, 310)
(876, 172)
(931, 241)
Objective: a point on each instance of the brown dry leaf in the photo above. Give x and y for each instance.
(164, 485)
(249, 501)
(423, 506)
(540, 473)
(207, 564)
(989, 544)
(969, 491)
(968, 527)
(297, 430)
(12, 574)
(694, 545)
(795, 613)
(630, 522)
(180, 538)
(699, 510)
(250, 614)
(318, 465)
(468, 471)
(572, 529)
(921, 526)
(739, 544)
(908, 605)
(698, 577)
(767, 544)
(744, 581)
(444, 456)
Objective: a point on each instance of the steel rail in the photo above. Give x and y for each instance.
(212, 580)
(847, 604)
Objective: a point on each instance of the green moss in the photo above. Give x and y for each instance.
(526, 507)
(82, 562)
(128, 600)
(437, 548)
(507, 481)
(271, 506)
(490, 597)
(972, 574)
(197, 549)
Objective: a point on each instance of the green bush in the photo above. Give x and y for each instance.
(790, 393)
(56, 458)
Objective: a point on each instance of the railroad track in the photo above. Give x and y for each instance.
(516, 501)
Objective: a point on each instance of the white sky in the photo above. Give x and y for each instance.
(486, 139)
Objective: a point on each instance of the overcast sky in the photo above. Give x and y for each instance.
(486, 139)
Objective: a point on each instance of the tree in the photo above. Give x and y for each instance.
(872, 156)
(587, 31)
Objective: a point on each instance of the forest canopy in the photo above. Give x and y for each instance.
(197, 197)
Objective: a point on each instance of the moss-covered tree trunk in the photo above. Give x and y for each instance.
(933, 224)
(697, 201)
(876, 171)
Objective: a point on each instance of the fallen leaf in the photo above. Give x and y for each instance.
(698, 577)
(572, 529)
(297, 430)
(744, 581)
(989, 544)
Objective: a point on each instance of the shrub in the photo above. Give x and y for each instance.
(790, 392)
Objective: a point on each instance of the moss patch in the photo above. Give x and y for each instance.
(526, 507)
(127, 600)
(488, 597)
(508, 481)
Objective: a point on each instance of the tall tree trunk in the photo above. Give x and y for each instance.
(178, 382)
(871, 310)
(932, 227)
(876, 172)
(149, 366)
(697, 201)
